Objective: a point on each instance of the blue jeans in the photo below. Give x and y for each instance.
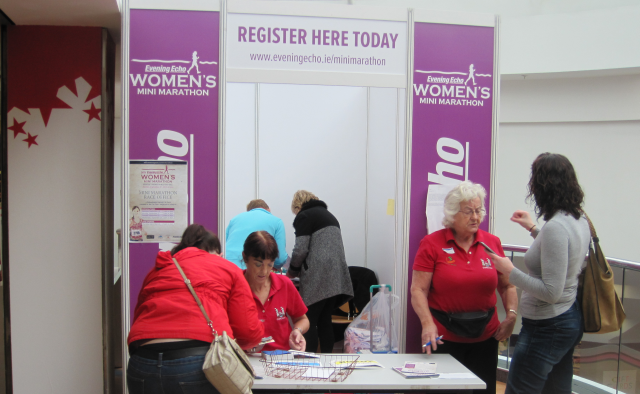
(543, 358)
(180, 376)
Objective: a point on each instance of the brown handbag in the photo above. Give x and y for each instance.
(602, 310)
(226, 365)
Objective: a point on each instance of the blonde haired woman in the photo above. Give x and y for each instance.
(318, 258)
(454, 287)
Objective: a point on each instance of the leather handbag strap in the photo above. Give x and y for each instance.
(591, 228)
(193, 293)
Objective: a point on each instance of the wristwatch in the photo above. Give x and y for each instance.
(513, 311)
(298, 328)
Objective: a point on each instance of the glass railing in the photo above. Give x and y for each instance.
(603, 363)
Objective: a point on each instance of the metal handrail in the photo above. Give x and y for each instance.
(614, 262)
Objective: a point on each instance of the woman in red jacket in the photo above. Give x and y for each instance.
(170, 336)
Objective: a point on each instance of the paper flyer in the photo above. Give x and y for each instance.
(158, 200)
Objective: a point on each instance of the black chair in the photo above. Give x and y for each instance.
(361, 279)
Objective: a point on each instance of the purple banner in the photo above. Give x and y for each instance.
(452, 124)
(173, 110)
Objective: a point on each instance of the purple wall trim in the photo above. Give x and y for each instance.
(448, 103)
(167, 91)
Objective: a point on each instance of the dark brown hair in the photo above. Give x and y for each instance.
(261, 245)
(554, 186)
(258, 203)
(199, 237)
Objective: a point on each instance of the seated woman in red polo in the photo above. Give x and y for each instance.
(275, 296)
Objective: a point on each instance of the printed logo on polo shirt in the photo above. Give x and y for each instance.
(280, 313)
(486, 264)
(445, 88)
(173, 77)
(449, 260)
(449, 250)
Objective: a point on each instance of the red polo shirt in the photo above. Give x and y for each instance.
(284, 299)
(462, 281)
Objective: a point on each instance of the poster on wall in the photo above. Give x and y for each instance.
(157, 200)
(452, 128)
(173, 112)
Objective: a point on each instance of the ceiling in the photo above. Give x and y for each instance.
(104, 13)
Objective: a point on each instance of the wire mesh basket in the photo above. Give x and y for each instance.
(330, 367)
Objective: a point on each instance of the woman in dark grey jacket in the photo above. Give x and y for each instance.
(318, 258)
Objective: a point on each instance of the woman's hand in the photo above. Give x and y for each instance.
(523, 218)
(297, 341)
(506, 327)
(429, 334)
(503, 264)
(292, 274)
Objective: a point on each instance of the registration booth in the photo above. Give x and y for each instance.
(376, 110)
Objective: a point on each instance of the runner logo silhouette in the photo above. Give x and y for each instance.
(471, 75)
(194, 63)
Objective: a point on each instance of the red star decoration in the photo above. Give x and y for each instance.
(31, 139)
(94, 113)
(17, 128)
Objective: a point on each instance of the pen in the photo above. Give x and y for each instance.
(429, 343)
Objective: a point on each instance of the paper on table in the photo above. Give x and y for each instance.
(299, 354)
(358, 364)
(414, 375)
(413, 367)
(318, 373)
(300, 363)
(435, 206)
(462, 375)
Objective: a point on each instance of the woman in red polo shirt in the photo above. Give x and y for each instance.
(454, 287)
(274, 295)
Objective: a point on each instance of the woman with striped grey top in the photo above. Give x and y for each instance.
(318, 258)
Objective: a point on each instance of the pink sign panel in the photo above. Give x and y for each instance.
(452, 124)
(173, 110)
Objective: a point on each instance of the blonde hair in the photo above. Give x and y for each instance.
(464, 191)
(300, 197)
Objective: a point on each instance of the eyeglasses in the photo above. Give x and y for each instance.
(469, 212)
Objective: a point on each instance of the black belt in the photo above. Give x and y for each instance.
(171, 354)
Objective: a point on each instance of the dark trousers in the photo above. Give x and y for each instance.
(543, 359)
(320, 327)
(481, 358)
(179, 376)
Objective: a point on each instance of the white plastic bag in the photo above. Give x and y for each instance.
(383, 311)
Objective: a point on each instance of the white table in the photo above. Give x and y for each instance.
(379, 379)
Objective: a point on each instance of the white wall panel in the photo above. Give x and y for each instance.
(314, 138)
(571, 41)
(571, 99)
(605, 157)
(381, 182)
(55, 252)
(240, 149)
